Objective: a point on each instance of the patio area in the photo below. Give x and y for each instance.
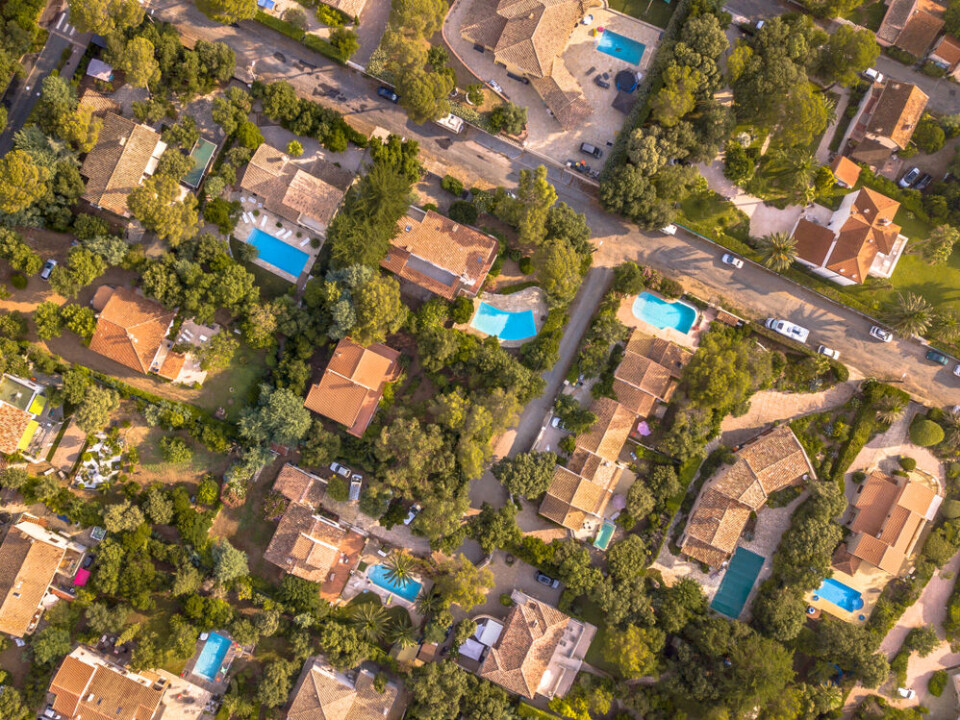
(254, 218)
(690, 339)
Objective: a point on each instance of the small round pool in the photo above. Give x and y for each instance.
(663, 314)
(503, 324)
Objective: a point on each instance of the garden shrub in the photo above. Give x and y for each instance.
(937, 683)
(670, 287)
(18, 280)
(908, 463)
(462, 211)
(338, 488)
(462, 310)
(526, 265)
(452, 185)
(925, 433)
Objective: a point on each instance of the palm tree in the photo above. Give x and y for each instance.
(402, 633)
(890, 409)
(370, 620)
(428, 603)
(399, 569)
(912, 315)
(778, 251)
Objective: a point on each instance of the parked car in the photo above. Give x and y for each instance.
(956, 371)
(557, 422)
(600, 82)
(788, 329)
(495, 85)
(731, 259)
(923, 182)
(937, 357)
(910, 178)
(48, 267)
(518, 78)
(872, 75)
(545, 579)
(670, 229)
(88, 560)
(907, 693)
(356, 483)
(829, 352)
(388, 94)
(881, 334)
(588, 149)
(340, 469)
(414, 511)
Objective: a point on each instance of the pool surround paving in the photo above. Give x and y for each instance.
(244, 229)
(532, 298)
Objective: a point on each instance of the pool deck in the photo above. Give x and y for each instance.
(359, 583)
(215, 686)
(532, 298)
(869, 580)
(689, 339)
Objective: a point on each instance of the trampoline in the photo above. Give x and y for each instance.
(626, 81)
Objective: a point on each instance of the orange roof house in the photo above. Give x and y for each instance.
(890, 514)
(911, 25)
(528, 37)
(440, 255)
(845, 171)
(946, 54)
(132, 331)
(860, 240)
(352, 385)
(886, 121)
(771, 462)
(297, 485)
(22, 403)
(322, 693)
(539, 651)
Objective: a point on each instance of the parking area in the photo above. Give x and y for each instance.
(509, 576)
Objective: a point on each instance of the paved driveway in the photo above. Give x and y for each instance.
(518, 576)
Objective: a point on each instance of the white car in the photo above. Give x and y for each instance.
(873, 75)
(788, 329)
(495, 85)
(414, 511)
(670, 229)
(829, 352)
(956, 370)
(907, 693)
(557, 422)
(881, 334)
(731, 259)
(340, 469)
(48, 267)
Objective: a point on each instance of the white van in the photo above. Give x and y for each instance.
(451, 123)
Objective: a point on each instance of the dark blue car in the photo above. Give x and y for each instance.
(388, 94)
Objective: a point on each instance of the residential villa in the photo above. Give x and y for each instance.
(352, 385)
(445, 257)
(25, 425)
(773, 461)
(890, 514)
(911, 25)
(125, 154)
(845, 171)
(528, 37)
(309, 199)
(31, 558)
(322, 693)
(860, 240)
(132, 331)
(90, 686)
(649, 372)
(885, 122)
(537, 650)
(946, 55)
(300, 486)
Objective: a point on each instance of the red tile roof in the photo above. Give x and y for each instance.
(131, 329)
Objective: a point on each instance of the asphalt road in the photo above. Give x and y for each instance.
(754, 290)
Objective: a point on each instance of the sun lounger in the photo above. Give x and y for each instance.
(304, 241)
(263, 221)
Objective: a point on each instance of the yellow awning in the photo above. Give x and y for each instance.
(28, 435)
(38, 404)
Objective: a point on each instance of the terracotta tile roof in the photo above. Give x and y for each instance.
(777, 459)
(921, 30)
(289, 191)
(874, 502)
(300, 486)
(707, 554)
(117, 163)
(739, 483)
(521, 656)
(718, 521)
(13, 424)
(843, 561)
(877, 552)
(353, 8)
(673, 357)
(877, 212)
(845, 170)
(871, 152)
(610, 431)
(571, 498)
(947, 51)
(131, 329)
(895, 19)
(897, 112)
(563, 96)
(172, 365)
(352, 384)
(646, 375)
(443, 256)
(305, 544)
(98, 103)
(321, 693)
(27, 567)
(917, 497)
(633, 398)
(88, 687)
(813, 241)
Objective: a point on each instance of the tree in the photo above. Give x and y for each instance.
(379, 310)
(633, 650)
(437, 689)
(677, 96)
(320, 447)
(229, 564)
(628, 557)
(779, 613)
(157, 506)
(23, 182)
(13, 478)
(527, 474)
(156, 204)
(139, 63)
(399, 569)
(460, 582)
(229, 11)
(102, 619)
(46, 318)
(175, 451)
(294, 148)
(217, 352)
(485, 701)
(558, 271)
(640, 501)
(923, 640)
(929, 136)
(848, 52)
(278, 418)
(890, 408)
(494, 528)
(105, 17)
(738, 165)
(536, 196)
(370, 620)
(20, 256)
(424, 93)
(76, 382)
(508, 118)
(937, 247)
(345, 41)
(12, 706)
(122, 517)
(778, 251)
(912, 315)
(81, 269)
(93, 414)
(173, 163)
(50, 645)
(274, 687)
(925, 433)
(342, 645)
(401, 632)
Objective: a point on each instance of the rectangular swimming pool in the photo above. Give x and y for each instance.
(663, 314)
(843, 596)
(276, 252)
(378, 575)
(202, 153)
(503, 324)
(621, 47)
(210, 661)
(602, 542)
(737, 583)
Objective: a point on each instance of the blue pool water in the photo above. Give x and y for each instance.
(621, 47)
(378, 574)
(737, 583)
(278, 253)
(605, 535)
(211, 656)
(504, 325)
(664, 314)
(840, 595)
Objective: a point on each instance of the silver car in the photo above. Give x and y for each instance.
(731, 259)
(881, 334)
(829, 352)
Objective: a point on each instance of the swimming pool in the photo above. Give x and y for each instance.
(737, 583)
(605, 535)
(619, 46)
(664, 313)
(378, 574)
(202, 153)
(504, 325)
(210, 662)
(278, 253)
(841, 595)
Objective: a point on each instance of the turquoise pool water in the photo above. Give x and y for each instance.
(202, 153)
(211, 656)
(664, 314)
(409, 591)
(504, 325)
(622, 47)
(278, 253)
(605, 535)
(840, 595)
(737, 583)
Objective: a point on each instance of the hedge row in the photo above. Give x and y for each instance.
(313, 42)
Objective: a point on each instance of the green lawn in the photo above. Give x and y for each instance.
(271, 285)
(708, 214)
(869, 16)
(655, 12)
(592, 613)
(233, 388)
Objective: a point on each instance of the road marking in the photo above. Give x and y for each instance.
(60, 21)
(72, 30)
